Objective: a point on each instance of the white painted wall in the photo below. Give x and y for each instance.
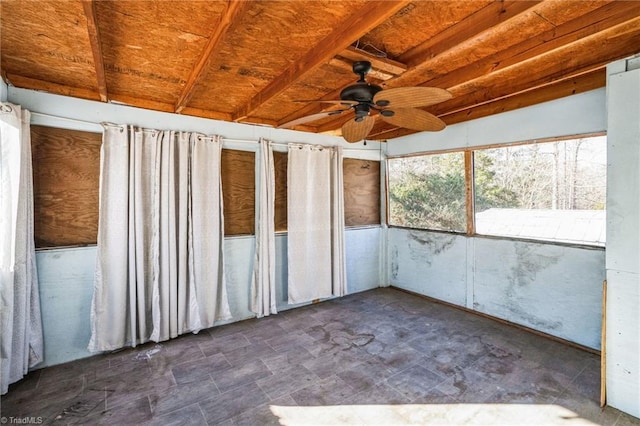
(623, 236)
(65, 279)
(551, 288)
(572, 115)
(4, 91)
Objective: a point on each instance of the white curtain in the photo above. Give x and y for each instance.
(315, 223)
(338, 260)
(21, 342)
(263, 280)
(160, 268)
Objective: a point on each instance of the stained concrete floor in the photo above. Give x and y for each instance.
(381, 357)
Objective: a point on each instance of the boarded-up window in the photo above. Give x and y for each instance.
(361, 192)
(66, 175)
(66, 172)
(280, 165)
(238, 192)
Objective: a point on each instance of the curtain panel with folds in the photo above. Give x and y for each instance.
(263, 280)
(21, 337)
(160, 266)
(315, 214)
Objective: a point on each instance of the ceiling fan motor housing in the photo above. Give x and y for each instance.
(360, 92)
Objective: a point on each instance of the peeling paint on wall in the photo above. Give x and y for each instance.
(424, 246)
(551, 288)
(435, 243)
(528, 263)
(394, 263)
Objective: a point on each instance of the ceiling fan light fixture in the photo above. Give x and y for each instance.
(361, 97)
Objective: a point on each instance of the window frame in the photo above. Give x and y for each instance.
(470, 203)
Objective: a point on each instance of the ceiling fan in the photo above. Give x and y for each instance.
(367, 101)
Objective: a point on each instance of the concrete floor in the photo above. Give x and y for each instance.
(379, 357)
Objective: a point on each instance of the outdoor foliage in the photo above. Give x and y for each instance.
(429, 191)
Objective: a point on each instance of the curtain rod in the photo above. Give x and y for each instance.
(287, 144)
(56, 117)
(41, 114)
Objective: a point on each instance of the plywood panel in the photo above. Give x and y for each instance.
(280, 164)
(150, 48)
(253, 54)
(41, 38)
(238, 191)
(66, 173)
(361, 192)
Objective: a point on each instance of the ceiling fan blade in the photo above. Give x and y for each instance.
(334, 101)
(312, 117)
(354, 131)
(409, 97)
(415, 119)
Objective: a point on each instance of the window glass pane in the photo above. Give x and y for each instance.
(428, 192)
(552, 191)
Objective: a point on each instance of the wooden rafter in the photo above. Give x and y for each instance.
(547, 68)
(467, 29)
(46, 86)
(493, 69)
(96, 47)
(381, 68)
(234, 10)
(566, 87)
(358, 24)
(577, 29)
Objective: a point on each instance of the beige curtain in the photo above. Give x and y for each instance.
(21, 340)
(263, 280)
(160, 260)
(315, 222)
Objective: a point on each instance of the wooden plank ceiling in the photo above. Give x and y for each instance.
(249, 61)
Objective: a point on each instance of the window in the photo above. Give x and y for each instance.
(428, 192)
(66, 176)
(551, 191)
(361, 192)
(238, 191)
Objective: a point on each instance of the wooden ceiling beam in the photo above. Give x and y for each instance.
(381, 67)
(612, 44)
(570, 86)
(583, 56)
(469, 28)
(577, 29)
(529, 51)
(560, 89)
(49, 87)
(96, 47)
(354, 27)
(234, 11)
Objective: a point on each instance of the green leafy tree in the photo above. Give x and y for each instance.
(429, 192)
(488, 191)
